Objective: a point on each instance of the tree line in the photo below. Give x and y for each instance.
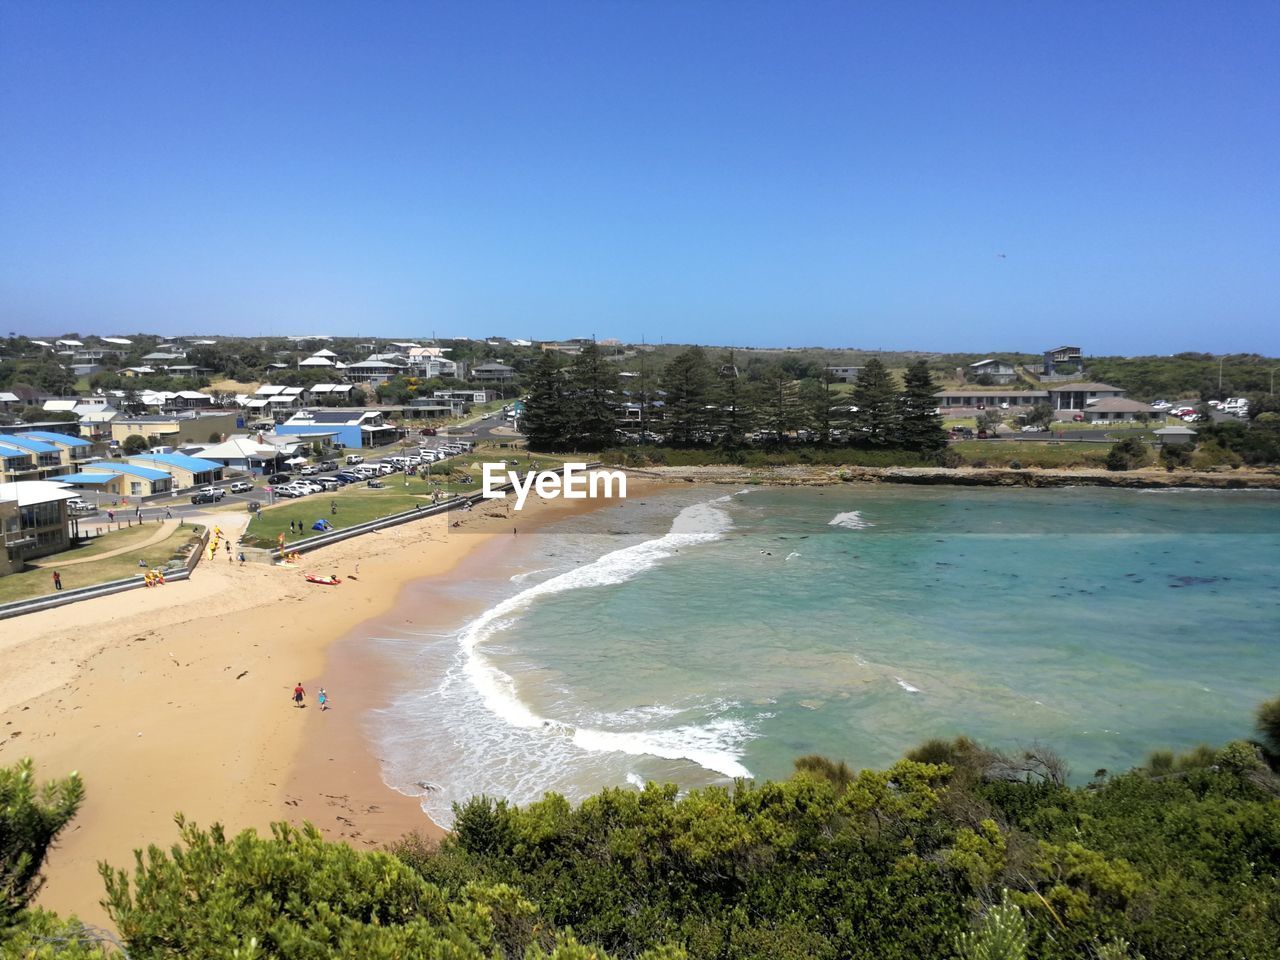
(694, 401)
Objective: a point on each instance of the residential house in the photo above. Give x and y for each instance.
(354, 427)
(329, 393)
(34, 521)
(993, 371)
(186, 471)
(161, 358)
(48, 457)
(375, 371)
(16, 464)
(120, 479)
(243, 454)
(844, 374)
(95, 425)
(73, 450)
(1068, 356)
(493, 373)
(9, 401)
(470, 396)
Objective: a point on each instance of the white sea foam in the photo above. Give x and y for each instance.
(906, 686)
(793, 553)
(522, 577)
(852, 520)
(635, 779)
(715, 746)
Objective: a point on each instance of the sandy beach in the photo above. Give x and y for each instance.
(178, 698)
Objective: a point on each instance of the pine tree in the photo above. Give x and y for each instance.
(687, 381)
(921, 424)
(823, 407)
(546, 415)
(735, 406)
(593, 388)
(31, 817)
(780, 408)
(876, 421)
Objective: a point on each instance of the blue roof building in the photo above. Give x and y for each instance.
(186, 471)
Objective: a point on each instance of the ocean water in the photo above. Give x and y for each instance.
(700, 635)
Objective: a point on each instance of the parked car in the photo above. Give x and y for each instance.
(346, 477)
(329, 484)
(241, 486)
(354, 458)
(207, 496)
(80, 505)
(329, 465)
(310, 470)
(276, 478)
(288, 490)
(428, 431)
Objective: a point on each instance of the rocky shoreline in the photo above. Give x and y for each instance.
(1148, 479)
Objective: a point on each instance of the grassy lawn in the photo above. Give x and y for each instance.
(116, 540)
(38, 581)
(1032, 453)
(358, 503)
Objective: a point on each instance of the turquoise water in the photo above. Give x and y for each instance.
(697, 636)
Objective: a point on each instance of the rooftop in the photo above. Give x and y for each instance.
(52, 437)
(182, 462)
(1078, 387)
(30, 492)
(89, 479)
(132, 469)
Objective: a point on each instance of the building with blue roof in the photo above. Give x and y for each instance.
(16, 464)
(122, 479)
(186, 471)
(48, 457)
(73, 450)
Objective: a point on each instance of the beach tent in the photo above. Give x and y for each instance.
(296, 460)
(322, 525)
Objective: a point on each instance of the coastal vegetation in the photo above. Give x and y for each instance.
(697, 403)
(956, 851)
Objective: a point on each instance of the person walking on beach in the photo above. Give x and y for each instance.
(168, 514)
(57, 580)
(323, 699)
(299, 695)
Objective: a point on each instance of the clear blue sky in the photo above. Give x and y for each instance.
(751, 173)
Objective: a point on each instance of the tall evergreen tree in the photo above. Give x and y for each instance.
(876, 422)
(921, 424)
(546, 411)
(594, 405)
(687, 381)
(735, 403)
(823, 407)
(780, 409)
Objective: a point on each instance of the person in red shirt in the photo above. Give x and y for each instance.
(299, 695)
